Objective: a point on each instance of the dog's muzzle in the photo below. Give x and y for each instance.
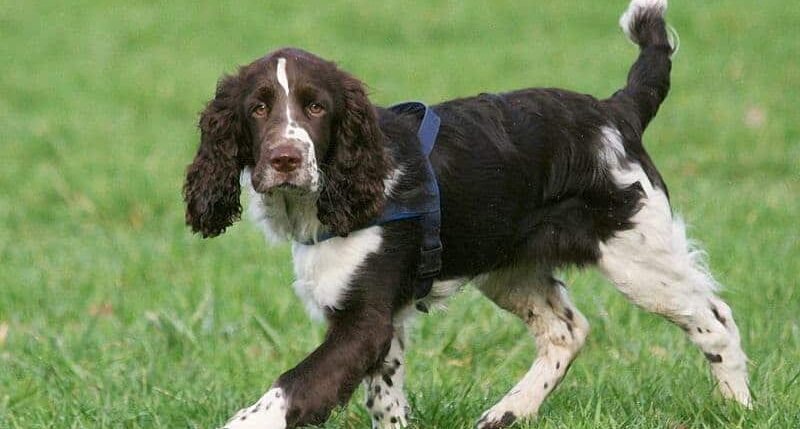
(285, 167)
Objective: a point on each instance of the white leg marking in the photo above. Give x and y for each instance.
(323, 271)
(295, 132)
(385, 399)
(657, 268)
(269, 412)
(441, 291)
(558, 327)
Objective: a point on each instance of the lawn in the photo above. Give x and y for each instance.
(113, 315)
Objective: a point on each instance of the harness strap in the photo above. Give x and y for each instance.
(430, 262)
(428, 211)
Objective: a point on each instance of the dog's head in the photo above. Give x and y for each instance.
(302, 126)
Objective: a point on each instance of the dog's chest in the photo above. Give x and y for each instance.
(324, 271)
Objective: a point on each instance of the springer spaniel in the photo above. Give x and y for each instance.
(530, 181)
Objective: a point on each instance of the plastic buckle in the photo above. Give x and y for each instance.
(430, 262)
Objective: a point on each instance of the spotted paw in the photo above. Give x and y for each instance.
(269, 412)
(388, 410)
(389, 421)
(496, 419)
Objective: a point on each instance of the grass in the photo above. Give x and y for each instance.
(113, 315)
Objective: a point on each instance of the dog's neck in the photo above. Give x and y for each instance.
(291, 216)
(285, 216)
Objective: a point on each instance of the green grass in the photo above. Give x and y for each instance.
(113, 315)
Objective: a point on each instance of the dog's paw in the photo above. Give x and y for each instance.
(392, 419)
(496, 419)
(269, 412)
(388, 411)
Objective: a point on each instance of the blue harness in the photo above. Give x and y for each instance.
(428, 211)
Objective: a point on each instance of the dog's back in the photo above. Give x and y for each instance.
(526, 173)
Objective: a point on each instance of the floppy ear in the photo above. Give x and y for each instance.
(356, 166)
(211, 190)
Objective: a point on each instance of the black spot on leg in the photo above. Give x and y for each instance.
(558, 365)
(718, 316)
(713, 358)
(387, 379)
(546, 385)
(393, 420)
(569, 328)
(699, 329)
(377, 388)
(508, 419)
(370, 402)
(569, 314)
(549, 303)
(396, 363)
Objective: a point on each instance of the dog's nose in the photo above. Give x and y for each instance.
(285, 158)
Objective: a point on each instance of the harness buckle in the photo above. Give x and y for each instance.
(430, 262)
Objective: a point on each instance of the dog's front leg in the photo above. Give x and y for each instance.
(355, 343)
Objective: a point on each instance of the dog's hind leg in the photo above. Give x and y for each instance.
(385, 399)
(653, 266)
(558, 327)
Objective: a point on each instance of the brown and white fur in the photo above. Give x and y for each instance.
(531, 181)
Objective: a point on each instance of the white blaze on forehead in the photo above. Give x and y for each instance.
(282, 78)
(293, 131)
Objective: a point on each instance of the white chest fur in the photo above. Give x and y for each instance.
(324, 271)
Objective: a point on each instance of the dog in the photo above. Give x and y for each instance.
(529, 182)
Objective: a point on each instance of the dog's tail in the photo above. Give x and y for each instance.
(648, 78)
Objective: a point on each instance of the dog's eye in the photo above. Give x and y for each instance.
(260, 111)
(315, 109)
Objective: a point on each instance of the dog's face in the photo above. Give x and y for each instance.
(303, 127)
(289, 108)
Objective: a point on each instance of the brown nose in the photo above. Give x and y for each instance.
(285, 158)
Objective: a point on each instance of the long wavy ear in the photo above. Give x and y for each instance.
(356, 166)
(211, 190)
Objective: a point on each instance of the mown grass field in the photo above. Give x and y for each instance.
(113, 315)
